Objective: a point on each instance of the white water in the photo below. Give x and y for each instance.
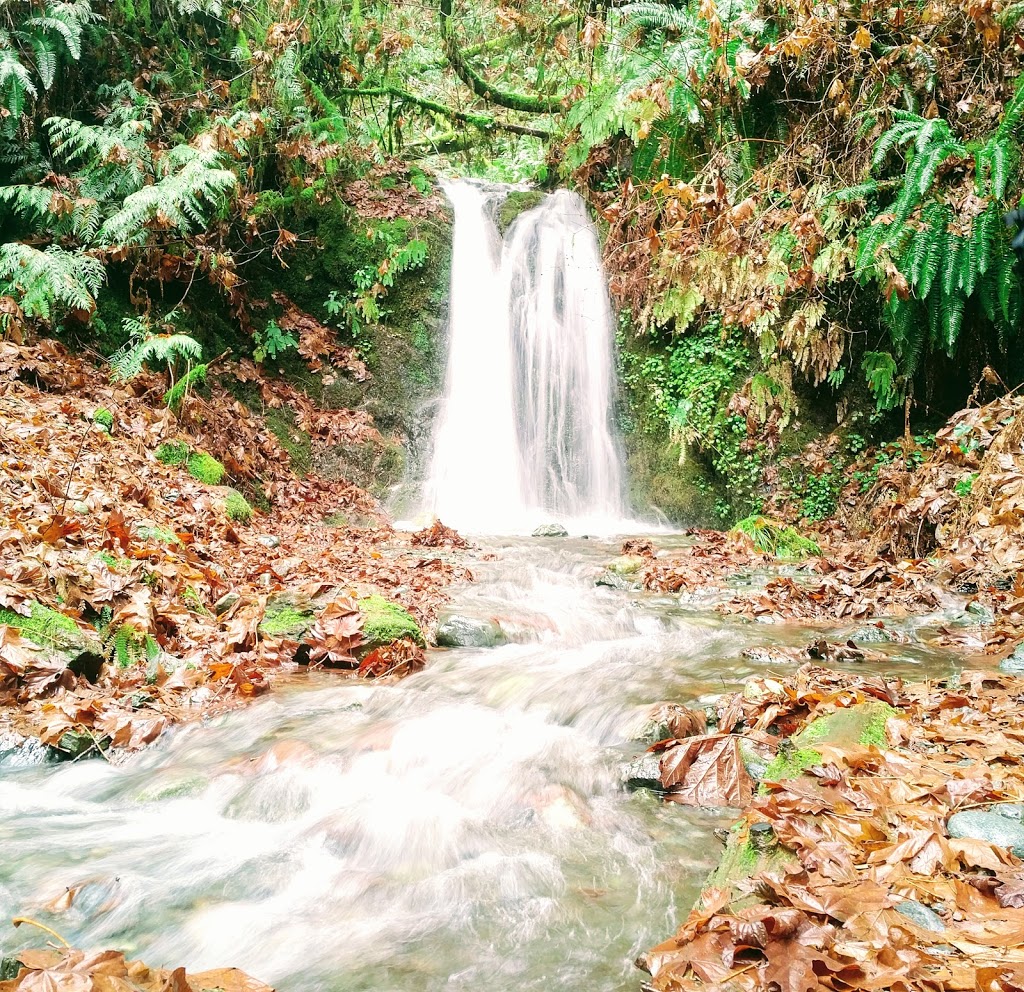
(525, 433)
(465, 829)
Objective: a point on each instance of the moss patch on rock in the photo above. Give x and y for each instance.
(292, 438)
(205, 468)
(173, 453)
(517, 202)
(791, 762)
(742, 860)
(237, 507)
(284, 617)
(385, 622)
(104, 418)
(863, 724)
(58, 634)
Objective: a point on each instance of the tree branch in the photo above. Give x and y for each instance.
(485, 122)
(480, 86)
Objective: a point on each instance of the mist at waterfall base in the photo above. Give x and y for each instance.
(524, 435)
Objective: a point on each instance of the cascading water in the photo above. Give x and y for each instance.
(525, 433)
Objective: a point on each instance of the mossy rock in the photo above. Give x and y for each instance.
(517, 202)
(205, 468)
(626, 565)
(58, 635)
(385, 622)
(861, 724)
(75, 744)
(173, 453)
(237, 507)
(743, 858)
(104, 419)
(287, 617)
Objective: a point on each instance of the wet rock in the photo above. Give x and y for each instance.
(643, 772)
(1014, 665)
(1012, 811)
(225, 603)
(610, 580)
(980, 613)
(919, 913)
(626, 565)
(457, 631)
(755, 757)
(269, 540)
(74, 744)
(976, 824)
(550, 530)
(17, 750)
(873, 634)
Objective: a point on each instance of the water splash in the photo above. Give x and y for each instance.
(525, 433)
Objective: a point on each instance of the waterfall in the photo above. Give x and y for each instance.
(525, 435)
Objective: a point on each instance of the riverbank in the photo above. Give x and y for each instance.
(160, 567)
(880, 840)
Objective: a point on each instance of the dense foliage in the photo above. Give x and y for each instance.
(804, 201)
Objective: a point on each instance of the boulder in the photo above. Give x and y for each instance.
(59, 637)
(643, 772)
(385, 622)
(978, 824)
(550, 530)
(457, 631)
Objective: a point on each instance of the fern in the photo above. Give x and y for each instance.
(945, 258)
(146, 348)
(45, 283)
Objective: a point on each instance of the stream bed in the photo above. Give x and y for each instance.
(467, 828)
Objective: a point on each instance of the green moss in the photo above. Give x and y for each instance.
(863, 723)
(113, 563)
(873, 734)
(104, 418)
(292, 438)
(516, 203)
(791, 763)
(774, 538)
(385, 622)
(205, 468)
(172, 453)
(741, 860)
(44, 626)
(237, 507)
(159, 534)
(285, 620)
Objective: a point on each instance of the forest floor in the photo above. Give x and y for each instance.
(138, 589)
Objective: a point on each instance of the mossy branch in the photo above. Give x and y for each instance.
(485, 122)
(481, 87)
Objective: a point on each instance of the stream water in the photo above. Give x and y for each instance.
(465, 828)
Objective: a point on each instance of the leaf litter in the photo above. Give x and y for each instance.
(164, 598)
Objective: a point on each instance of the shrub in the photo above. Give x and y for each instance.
(773, 538)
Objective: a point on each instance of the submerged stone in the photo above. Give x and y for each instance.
(550, 530)
(977, 824)
(457, 631)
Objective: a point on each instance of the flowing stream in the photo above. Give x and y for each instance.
(465, 828)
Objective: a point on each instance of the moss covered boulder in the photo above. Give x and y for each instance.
(59, 636)
(749, 850)
(385, 622)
